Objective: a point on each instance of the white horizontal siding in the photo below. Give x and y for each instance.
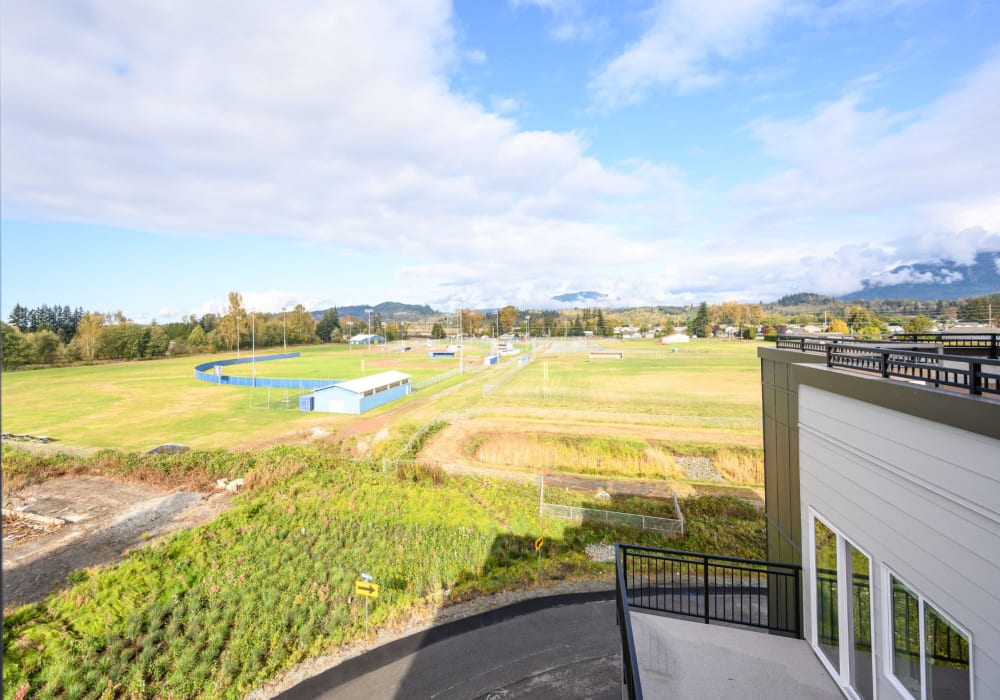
(922, 498)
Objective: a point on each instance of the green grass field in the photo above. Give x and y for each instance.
(139, 405)
(706, 378)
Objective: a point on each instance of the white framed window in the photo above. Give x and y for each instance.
(842, 614)
(928, 655)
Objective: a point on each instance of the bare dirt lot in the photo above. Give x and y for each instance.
(103, 520)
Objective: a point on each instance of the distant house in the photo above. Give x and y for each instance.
(366, 338)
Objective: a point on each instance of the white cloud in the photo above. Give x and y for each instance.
(330, 121)
(849, 169)
(571, 19)
(683, 45)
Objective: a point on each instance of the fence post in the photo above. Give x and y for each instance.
(799, 627)
(704, 561)
(885, 365)
(976, 378)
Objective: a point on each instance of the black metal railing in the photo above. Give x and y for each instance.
(731, 590)
(973, 374)
(987, 344)
(631, 683)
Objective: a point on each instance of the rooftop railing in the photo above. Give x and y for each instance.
(889, 359)
(986, 343)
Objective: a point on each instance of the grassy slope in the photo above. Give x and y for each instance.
(216, 611)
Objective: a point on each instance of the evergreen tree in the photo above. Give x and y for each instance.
(327, 325)
(19, 318)
(701, 326)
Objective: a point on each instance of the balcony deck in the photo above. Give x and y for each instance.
(681, 658)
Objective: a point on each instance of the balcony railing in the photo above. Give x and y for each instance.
(631, 683)
(977, 375)
(987, 344)
(747, 592)
(714, 588)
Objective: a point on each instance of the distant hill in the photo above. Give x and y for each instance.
(387, 310)
(577, 297)
(805, 299)
(944, 280)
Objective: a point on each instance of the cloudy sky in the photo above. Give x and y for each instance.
(156, 155)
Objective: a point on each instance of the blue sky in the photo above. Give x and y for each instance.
(155, 156)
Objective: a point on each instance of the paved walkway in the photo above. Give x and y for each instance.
(686, 659)
(545, 649)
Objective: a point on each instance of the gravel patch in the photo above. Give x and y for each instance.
(699, 468)
(600, 552)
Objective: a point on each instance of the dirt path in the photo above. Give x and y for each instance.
(104, 520)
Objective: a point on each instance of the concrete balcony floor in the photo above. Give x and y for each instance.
(681, 658)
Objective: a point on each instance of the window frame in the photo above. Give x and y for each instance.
(841, 676)
(888, 650)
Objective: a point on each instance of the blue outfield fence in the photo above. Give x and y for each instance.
(206, 372)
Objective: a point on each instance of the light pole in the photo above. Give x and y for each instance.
(461, 349)
(527, 330)
(350, 334)
(369, 312)
(253, 349)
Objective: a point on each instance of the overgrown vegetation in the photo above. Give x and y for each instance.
(613, 456)
(585, 455)
(216, 611)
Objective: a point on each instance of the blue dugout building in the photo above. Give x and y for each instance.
(359, 395)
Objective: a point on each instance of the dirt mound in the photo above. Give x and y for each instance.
(104, 520)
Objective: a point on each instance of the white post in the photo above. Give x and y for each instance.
(369, 312)
(541, 493)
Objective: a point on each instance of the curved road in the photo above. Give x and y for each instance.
(545, 648)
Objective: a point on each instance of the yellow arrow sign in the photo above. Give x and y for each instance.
(539, 542)
(369, 590)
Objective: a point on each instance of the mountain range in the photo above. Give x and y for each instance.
(945, 280)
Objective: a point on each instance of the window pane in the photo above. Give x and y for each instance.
(826, 594)
(861, 614)
(906, 637)
(947, 658)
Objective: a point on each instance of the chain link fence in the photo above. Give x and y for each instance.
(673, 526)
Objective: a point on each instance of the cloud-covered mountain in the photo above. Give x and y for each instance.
(578, 297)
(938, 280)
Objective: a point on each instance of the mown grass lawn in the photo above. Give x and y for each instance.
(139, 405)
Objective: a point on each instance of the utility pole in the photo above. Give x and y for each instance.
(461, 348)
(284, 337)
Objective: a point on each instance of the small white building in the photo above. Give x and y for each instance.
(358, 395)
